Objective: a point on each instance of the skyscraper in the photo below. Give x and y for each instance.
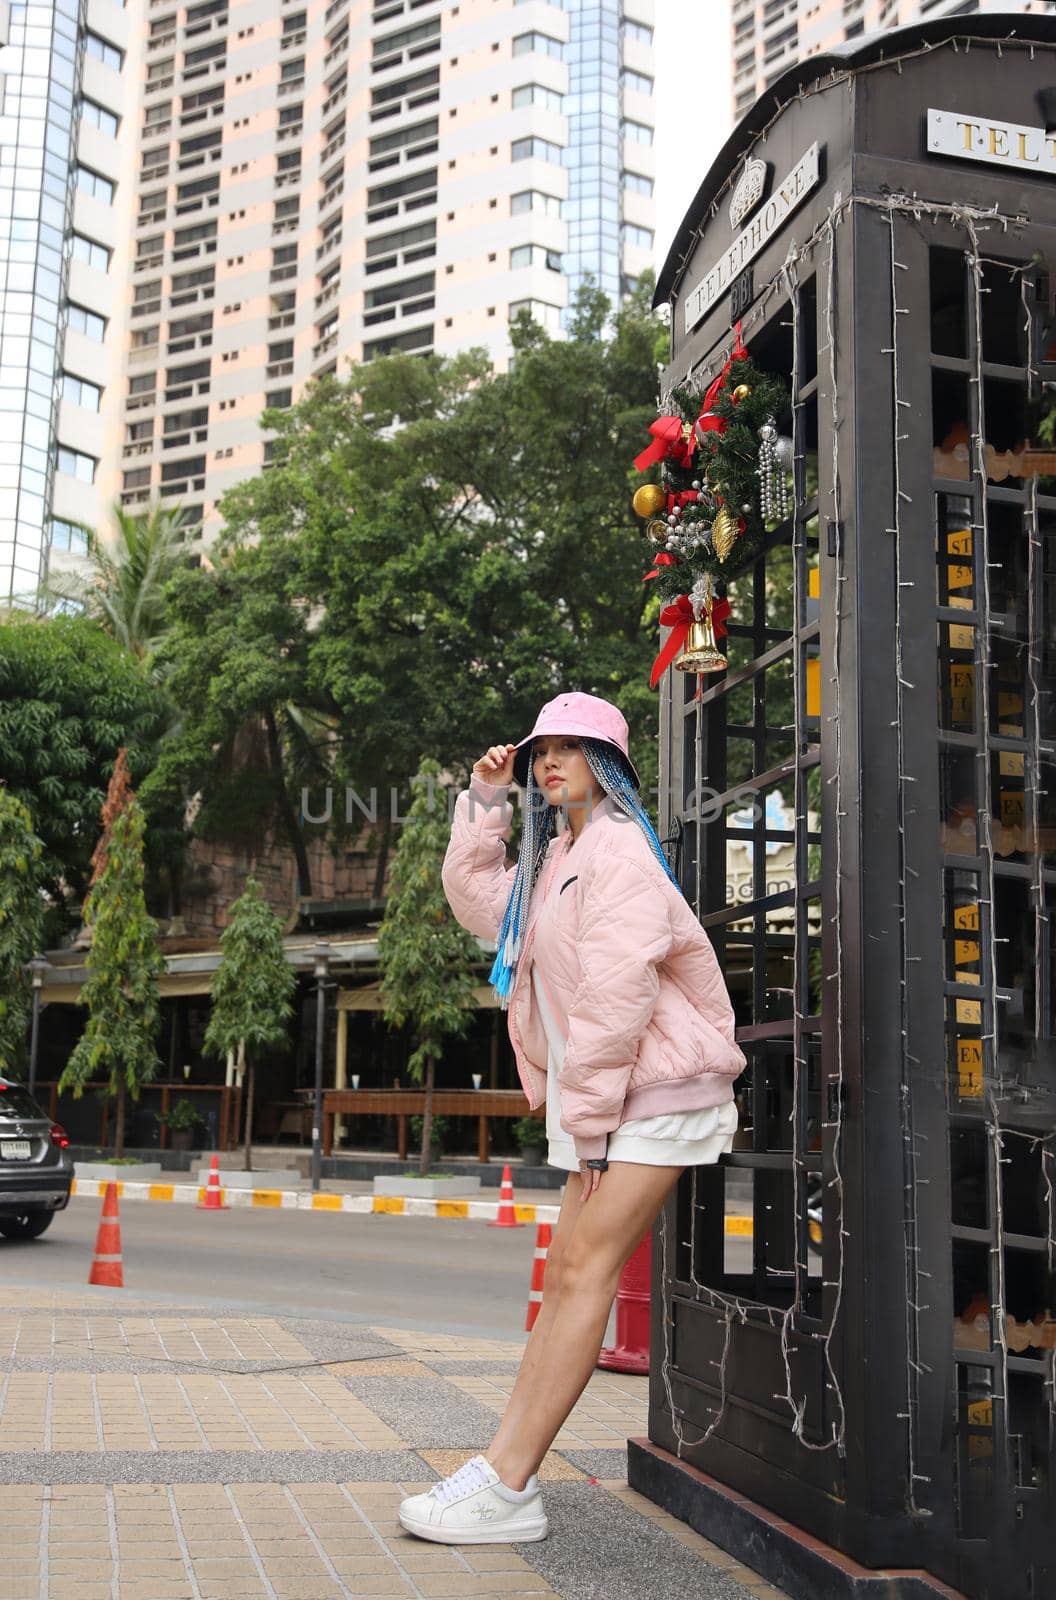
(769, 35)
(286, 186)
(61, 81)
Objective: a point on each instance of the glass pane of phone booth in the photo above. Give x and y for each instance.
(994, 419)
(748, 812)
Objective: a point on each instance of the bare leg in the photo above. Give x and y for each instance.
(536, 1359)
(557, 1366)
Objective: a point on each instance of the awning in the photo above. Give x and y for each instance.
(368, 997)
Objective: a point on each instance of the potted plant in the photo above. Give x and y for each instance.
(181, 1120)
(440, 1126)
(529, 1135)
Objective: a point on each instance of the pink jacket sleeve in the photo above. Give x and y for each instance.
(624, 933)
(476, 879)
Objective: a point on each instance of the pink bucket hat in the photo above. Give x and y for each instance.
(583, 716)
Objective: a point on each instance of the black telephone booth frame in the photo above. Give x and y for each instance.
(893, 1083)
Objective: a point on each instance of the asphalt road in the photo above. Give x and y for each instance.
(444, 1275)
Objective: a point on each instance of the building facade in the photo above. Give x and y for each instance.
(64, 68)
(233, 198)
(770, 35)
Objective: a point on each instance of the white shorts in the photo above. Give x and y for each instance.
(673, 1139)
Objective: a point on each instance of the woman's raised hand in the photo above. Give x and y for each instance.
(496, 765)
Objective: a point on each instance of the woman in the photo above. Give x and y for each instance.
(621, 1021)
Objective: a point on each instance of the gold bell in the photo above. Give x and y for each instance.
(700, 652)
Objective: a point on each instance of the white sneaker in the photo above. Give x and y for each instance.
(474, 1506)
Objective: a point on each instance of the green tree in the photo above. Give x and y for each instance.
(426, 958)
(21, 926)
(250, 735)
(252, 991)
(122, 587)
(123, 962)
(465, 541)
(69, 697)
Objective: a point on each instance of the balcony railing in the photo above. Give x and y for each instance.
(328, 244)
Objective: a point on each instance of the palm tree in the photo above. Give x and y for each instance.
(123, 586)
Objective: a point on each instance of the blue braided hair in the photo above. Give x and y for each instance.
(538, 828)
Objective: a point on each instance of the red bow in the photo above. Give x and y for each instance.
(662, 560)
(678, 617)
(707, 422)
(680, 498)
(667, 441)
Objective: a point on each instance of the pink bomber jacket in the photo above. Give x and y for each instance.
(630, 974)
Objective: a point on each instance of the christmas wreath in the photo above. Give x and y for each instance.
(723, 482)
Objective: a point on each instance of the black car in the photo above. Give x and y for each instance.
(35, 1168)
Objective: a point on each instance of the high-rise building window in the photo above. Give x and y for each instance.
(639, 31)
(104, 51)
(636, 132)
(548, 205)
(94, 183)
(540, 311)
(67, 536)
(637, 82)
(81, 392)
(87, 322)
(642, 237)
(535, 149)
(540, 44)
(90, 251)
(97, 116)
(535, 94)
(414, 339)
(388, 50)
(636, 182)
(535, 255)
(75, 463)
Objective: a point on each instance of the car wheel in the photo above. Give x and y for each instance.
(28, 1227)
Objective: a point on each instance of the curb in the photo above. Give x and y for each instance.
(350, 1204)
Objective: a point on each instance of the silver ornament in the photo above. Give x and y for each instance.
(784, 452)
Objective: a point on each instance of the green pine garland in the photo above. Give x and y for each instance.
(724, 466)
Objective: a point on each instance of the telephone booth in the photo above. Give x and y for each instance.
(853, 1320)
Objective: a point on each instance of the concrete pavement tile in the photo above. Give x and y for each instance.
(238, 1568)
(62, 1566)
(97, 1549)
(466, 1583)
(376, 1587)
(502, 1559)
(59, 1589)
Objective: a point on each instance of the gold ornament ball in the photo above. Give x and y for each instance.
(742, 391)
(648, 500)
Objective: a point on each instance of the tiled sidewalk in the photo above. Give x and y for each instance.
(167, 1455)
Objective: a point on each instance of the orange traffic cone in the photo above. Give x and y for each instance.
(630, 1353)
(535, 1293)
(506, 1217)
(214, 1195)
(106, 1267)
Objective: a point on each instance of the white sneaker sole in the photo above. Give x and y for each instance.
(508, 1533)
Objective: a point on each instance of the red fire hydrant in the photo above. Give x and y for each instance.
(630, 1353)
